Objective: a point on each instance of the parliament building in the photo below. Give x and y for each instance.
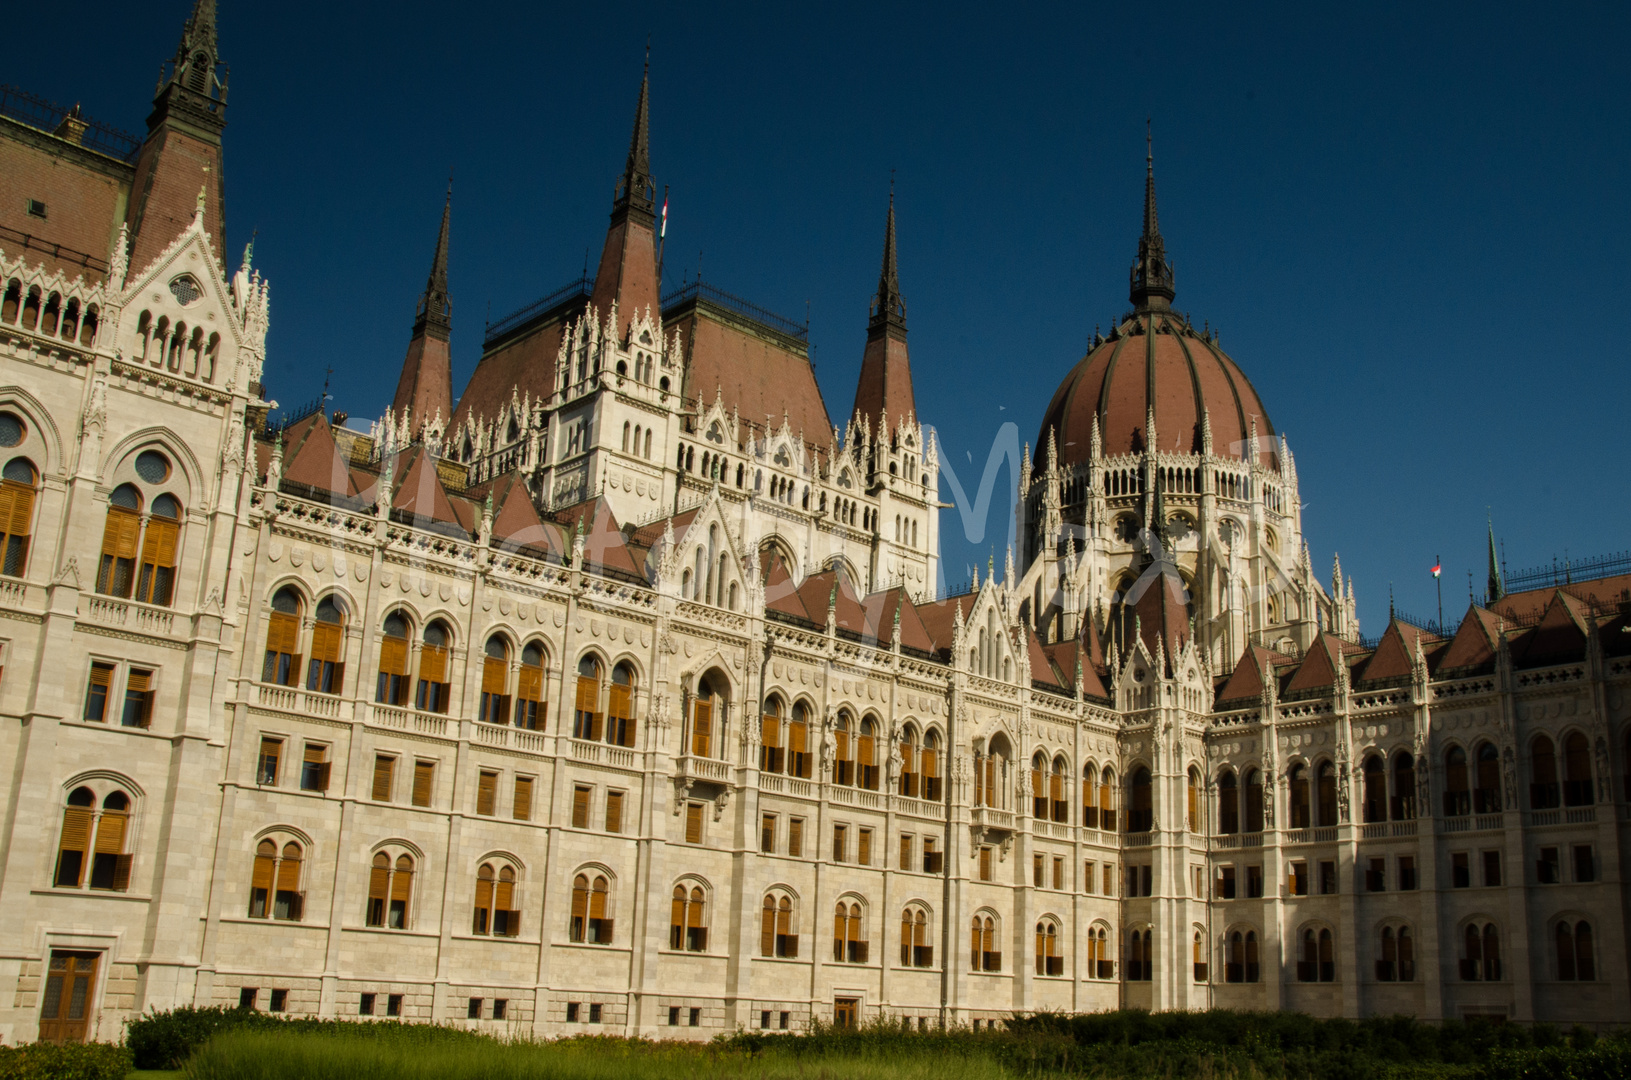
(620, 693)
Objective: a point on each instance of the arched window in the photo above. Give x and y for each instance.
(1328, 965)
(586, 716)
(1254, 801)
(909, 751)
(530, 706)
(1049, 960)
(915, 948)
(1140, 810)
(1039, 786)
(1407, 955)
(1194, 800)
(776, 933)
(1457, 796)
(866, 755)
(1107, 803)
(275, 888)
(1487, 793)
(1387, 963)
(1576, 771)
(1140, 956)
(620, 725)
(1575, 958)
(590, 923)
(94, 837)
(1056, 791)
(1234, 958)
(390, 889)
(1404, 786)
(1544, 793)
(1325, 784)
(496, 909)
(798, 742)
(1090, 800)
(1198, 957)
(156, 581)
(282, 662)
(849, 945)
(772, 751)
(931, 766)
(393, 661)
(1375, 807)
(434, 669)
(991, 773)
(1301, 817)
(1228, 803)
(17, 488)
(326, 671)
(116, 575)
(983, 952)
(1308, 965)
(687, 924)
(702, 719)
(1481, 953)
(495, 681)
(844, 758)
(1099, 964)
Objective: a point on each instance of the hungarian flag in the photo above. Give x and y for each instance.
(662, 232)
(1434, 571)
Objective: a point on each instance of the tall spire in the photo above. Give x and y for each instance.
(1152, 285)
(636, 190)
(888, 307)
(627, 275)
(883, 394)
(1497, 583)
(435, 314)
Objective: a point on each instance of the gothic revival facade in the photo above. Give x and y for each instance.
(617, 694)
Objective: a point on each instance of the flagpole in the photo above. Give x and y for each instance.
(662, 241)
(1438, 579)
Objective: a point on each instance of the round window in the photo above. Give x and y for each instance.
(11, 429)
(185, 289)
(152, 466)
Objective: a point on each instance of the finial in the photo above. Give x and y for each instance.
(888, 306)
(1152, 283)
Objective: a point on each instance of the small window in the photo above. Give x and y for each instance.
(571, 1012)
(693, 823)
(614, 811)
(97, 691)
(280, 1001)
(365, 1005)
(36, 208)
(424, 782)
(581, 794)
(11, 429)
(473, 1010)
(152, 466)
(486, 793)
(521, 805)
(271, 756)
(138, 711)
(384, 775)
(795, 837)
(247, 996)
(393, 1005)
(501, 1008)
(314, 769)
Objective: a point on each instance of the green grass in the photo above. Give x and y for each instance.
(153, 1074)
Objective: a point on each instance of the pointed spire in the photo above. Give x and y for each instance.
(888, 307)
(196, 55)
(636, 190)
(435, 313)
(1151, 276)
(1497, 582)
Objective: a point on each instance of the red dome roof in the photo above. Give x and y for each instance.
(1156, 357)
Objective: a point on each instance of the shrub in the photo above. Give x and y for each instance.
(165, 1040)
(70, 1061)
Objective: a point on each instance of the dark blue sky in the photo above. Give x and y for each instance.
(1409, 221)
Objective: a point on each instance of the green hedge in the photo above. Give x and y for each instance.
(165, 1040)
(71, 1061)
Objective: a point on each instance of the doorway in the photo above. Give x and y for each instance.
(65, 1013)
(846, 1012)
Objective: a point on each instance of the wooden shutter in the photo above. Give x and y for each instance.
(283, 633)
(424, 778)
(288, 872)
(16, 513)
(121, 873)
(597, 905)
(119, 539)
(580, 907)
(384, 770)
(433, 664)
(379, 880)
(580, 808)
(76, 837)
(767, 928)
(494, 674)
(317, 755)
(484, 899)
(504, 895)
(621, 706)
(521, 807)
(702, 726)
(159, 552)
(614, 811)
(261, 880)
(486, 793)
(110, 832)
(693, 823)
(139, 690)
(326, 642)
(402, 885)
(393, 656)
(96, 695)
(588, 694)
(530, 683)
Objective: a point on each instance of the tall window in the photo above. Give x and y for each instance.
(1481, 953)
(620, 726)
(1140, 956)
(586, 716)
(434, 673)
(94, 840)
(799, 758)
(844, 758)
(1318, 963)
(866, 755)
(848, 934)
(282, 662)
(1198, 957)
(496, 911)
(530, 707)
(1254, 801)
(909, 753)
(1099, 963)
(983, 952)
(1140, 812)
(702, 719)
(777, 936)
(1325, 785)
(1228, 802)
(1301, 816)
(156, 581)
(930, 764)
(1375, 801)
(915, 948)
(687, 924)
(1575, 960)
(390, 888)
(18, 482)
(1107, 800)
(1487, 793)
(991, 773)
(274, 889)
(1544, 793)
(1576, 771)
(1457, 794)
(326, 672)
(1090, 801)
(590, 924)
(1039, 786)
(772, 751)
(121, 537)
(1049, 960)
(393, 661)
(1397, 962)
(1403, 806)
(495, 681)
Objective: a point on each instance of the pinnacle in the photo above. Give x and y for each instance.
(888, 307)
(636, 189)
(435, 306)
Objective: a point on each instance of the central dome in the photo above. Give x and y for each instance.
(1156, 360)
(1154, 363)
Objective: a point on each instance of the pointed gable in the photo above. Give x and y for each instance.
(313, 460)
(1394, 660)
(1257, 665)
(939, 618)
(1559, 637)
(1474, 646)
(881, 608)
(1163, 613)
(422, 499)
(604, 547)
(817, 592)
(782, 593)
(1043, 670)
(516, 524)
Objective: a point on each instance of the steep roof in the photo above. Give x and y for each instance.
(1474, 646)
(1559, 637)
(604, 545)
(1395, 657)
(420, 495)
(1247, 681)
(516, 523)
(939, 616)
(311, 457)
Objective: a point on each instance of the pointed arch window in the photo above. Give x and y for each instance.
(687, 920)
(393, 683)
(1099, 963)
(121, 535)
(1228, 803)
(1576, 961)
(282, 660)
(777, 935)
(1049, 960)
(434, 669)
(1140, 811)
(1194, 800)
(771, 751)
(799, 759)
(326, 671)
(849, 945)
(1039, 786)
(156, 580)
(390, 891)
(1487, 793)
(915, 948)
(931, 766)
(530, 706)
(18, 484)
(1090, 804)
(1375, 792)
(909, 756)
(1300, 809)
(1325, 787)
(1544, 793)
(495, 680)
(1140, 956)
(1403, 804)
(590, 923)
(983, 944)
(1480, 953)
(1457, 794)
(274, 890)
(94, 839)
(702, 719)
(1107, 800)
(866, 755)
(586, 716)
(620, 726)
(1577, 789)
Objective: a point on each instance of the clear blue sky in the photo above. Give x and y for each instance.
(1409, 221)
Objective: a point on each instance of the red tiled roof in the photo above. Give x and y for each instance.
(1559, 637)
(419, 492)
(310, 457)
(1395, 655)
(1246, 682)
(939, 615)
(603, 542)
(761, 380)
(1475, 644)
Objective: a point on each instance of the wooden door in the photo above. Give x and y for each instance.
(69, 984)
(845, 1012)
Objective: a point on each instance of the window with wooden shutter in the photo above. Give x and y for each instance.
(798, 751)
(931, 769)
(326, 672)
(770, 738)
(379, 890)
(314, 770)
(98, 691)
(138, 711)
(578, 928)
(600, 926)
(433, 675)
(260, 882)
(787, 942)
(16, 516)
(620, 712)
(401, 892)
(110, 867)
(495, 703)
(282, 647)
(486, 793)
(75, 844)
(676, 919)
(702, 726)
(863, 847)
(384, 775)
(289, 901)
(521, 805)
(767, 927)
(580, 806)
(484, 900)
(795, 837)
(506, 916)
(268, 761)
(117, 574)
(586, 720)
(424, 782)
(696, 931)
(155, 583)
(392, 687)
(530, 708)
(693, 823)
